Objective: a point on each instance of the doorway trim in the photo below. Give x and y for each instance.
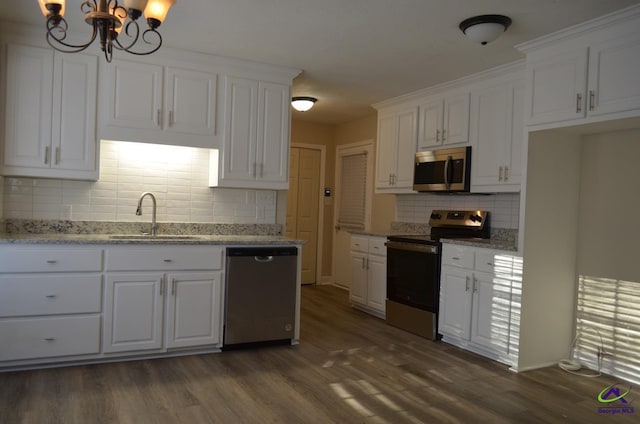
(323, 154)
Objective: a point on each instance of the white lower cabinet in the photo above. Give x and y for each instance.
(368, 290)
(50, 304)
(480, 293)
(85, 302)
(154, 310)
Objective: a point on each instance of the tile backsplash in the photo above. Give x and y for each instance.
(504, 208)
(177, 176)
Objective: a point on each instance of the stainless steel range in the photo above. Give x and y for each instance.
(413, 269)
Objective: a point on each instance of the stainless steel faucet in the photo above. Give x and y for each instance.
(154, 225)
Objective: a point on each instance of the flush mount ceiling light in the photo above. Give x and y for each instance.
(485, 28)
(303, 103)
(108, 18)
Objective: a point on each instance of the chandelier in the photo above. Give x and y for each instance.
(114, 22)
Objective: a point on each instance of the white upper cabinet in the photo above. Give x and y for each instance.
(396, 147)
(497, 134)
(50, 126)
(558, 87)
(444, 121)
(585, 74)
(255, 147)
(158, 104)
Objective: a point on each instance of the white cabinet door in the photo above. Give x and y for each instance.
(444, 121)
(455, 302)
(190, 102)
(497, 134)
(50, 114)
(358, 289)
(614, 67)
(29, 90)
(239, 150)
(134, 95)
(431, 118)
(396, 147)
(456, 120)
(133, 314)
(194, 312)
(255, 151)
(386, 150)
(377, 283)
(491, 312)
(74, 112)
(272, 150)
(557, 87)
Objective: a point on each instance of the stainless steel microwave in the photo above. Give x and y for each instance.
(445, 170)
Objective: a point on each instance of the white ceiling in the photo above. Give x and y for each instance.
(352, 52)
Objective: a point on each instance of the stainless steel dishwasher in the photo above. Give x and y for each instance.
(260, 294)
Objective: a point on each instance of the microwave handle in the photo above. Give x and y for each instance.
(447, 167)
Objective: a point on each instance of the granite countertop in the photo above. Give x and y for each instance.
(61, 239)
(507, 245)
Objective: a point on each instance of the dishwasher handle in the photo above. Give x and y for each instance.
(263, 258)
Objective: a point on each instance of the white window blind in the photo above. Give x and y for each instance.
(353, 191)
(608, 319)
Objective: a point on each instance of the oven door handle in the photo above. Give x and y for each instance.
(412, 247)
(447, 171)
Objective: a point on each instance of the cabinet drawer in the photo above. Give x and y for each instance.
(30, 338)
(359, 243)
(457, 256)
(377, 247)
(50, 260)
(486, 261)
(24, 295)
(163, 258)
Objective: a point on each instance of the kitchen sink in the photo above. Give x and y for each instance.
(150, 237)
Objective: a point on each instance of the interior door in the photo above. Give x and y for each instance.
(303, 207)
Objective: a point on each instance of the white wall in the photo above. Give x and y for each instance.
(178, 176)
(610, 206)
(504, 207)
(550, 238)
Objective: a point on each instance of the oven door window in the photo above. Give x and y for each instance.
(413, 278)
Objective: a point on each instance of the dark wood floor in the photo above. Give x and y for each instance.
(349, 368)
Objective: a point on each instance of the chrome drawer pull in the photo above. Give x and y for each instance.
(50, 339)
(52, 261)
(50, 296)
(168, 260)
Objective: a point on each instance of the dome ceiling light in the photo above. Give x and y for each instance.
(303, 103)
(484, 29)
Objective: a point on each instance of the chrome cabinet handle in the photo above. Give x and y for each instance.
(578, 102)
(444, 132)
(46, 155)
(500, 173)
(52, 261)
(466, 284)
(50, 296)
(592, 99)
(57, 155)
(167, 260)
(437, 135)
(171, 120)
(506, 173)
(50, 339)
(261, 167)
(475, 284)
(173, 287)
(362, 262)
(160, 118)
(161, 286)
